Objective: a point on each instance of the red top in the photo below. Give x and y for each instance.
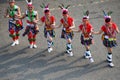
(114, 27)
(52, 18)
(48, 23)
(67, 24)
(110, 31)
(86, 30)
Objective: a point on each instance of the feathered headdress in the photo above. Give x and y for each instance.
(45, 7)
(86, 15)
(64, 8)
(29, 2)
(108, 14)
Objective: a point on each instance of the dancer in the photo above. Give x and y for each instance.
(15, 24)
(68, 24)
(109, 30)
(49, 24)
(86, 36)
(32, 27)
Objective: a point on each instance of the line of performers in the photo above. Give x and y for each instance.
(108, 30)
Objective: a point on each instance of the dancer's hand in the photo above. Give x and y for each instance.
(6, 16)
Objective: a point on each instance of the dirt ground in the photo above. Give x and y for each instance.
(22, 63)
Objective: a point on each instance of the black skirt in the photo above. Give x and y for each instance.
(66, 35)
(89, 41)
(51, 33)
(108, 43)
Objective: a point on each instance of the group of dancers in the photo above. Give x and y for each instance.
(108, 30)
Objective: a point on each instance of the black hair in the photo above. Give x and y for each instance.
(107, 20)
(85, 18)
(47, 11)
(65, 12)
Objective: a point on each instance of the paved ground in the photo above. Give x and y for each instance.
(22, 63)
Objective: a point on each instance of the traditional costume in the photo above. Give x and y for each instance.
(31, 29)
(49, 26)
(67, 33)
(109, 35)
(15, 24)
(86, 36)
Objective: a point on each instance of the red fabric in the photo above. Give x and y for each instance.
(12, 31)
(14, 38)
(30, 5)
(88, 28)
(34, 36)
(69, 21)
(42, 19)
(30, 35)
(17, 37)
(104, 29)
(31, 42)
(19, 22)
(52, 19)
(34, 42)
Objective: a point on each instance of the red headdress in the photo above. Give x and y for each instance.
(45, 7)
(64, 9)
(29, 3)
